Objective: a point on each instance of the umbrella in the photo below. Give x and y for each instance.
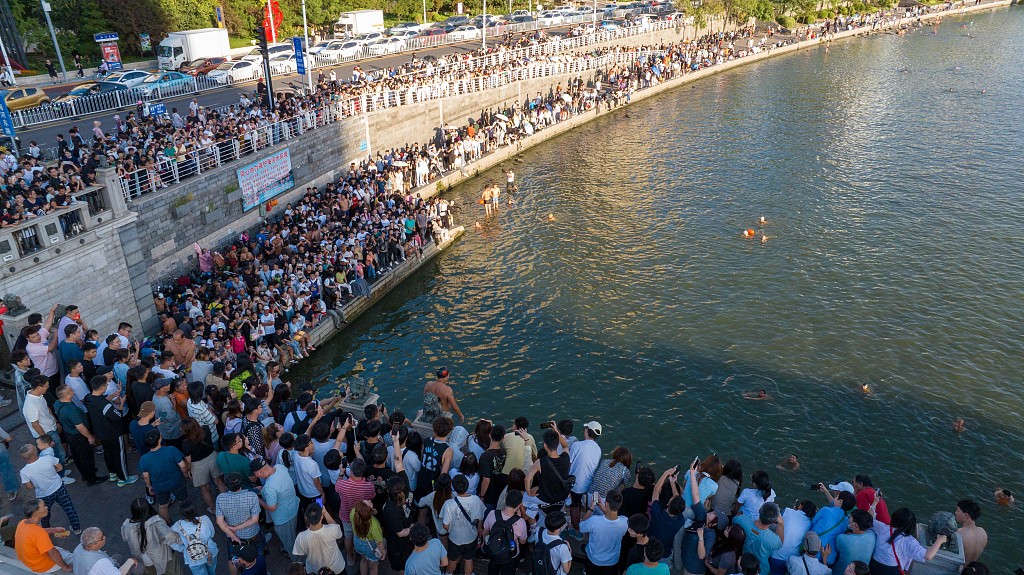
(501, 117)
(567, 97)
(399, 163)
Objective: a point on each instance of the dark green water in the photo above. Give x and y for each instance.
(894, 259)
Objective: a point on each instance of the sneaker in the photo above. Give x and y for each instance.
(77, 531)
(99, 451)
(68, 480)
(112, 477)
(12, 496)
(4, 402)
(285, 553)
(150, 500)
(129, 481)
(573, 534)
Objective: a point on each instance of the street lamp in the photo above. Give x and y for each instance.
(483, 28)
(53, 36)
(305, 48)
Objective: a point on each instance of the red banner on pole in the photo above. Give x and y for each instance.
(273, 8)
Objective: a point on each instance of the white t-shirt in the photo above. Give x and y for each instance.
(268, 329)
(559, 555)
(306, 470)
(320, 548)
(78, 386)
(35, 409)
(584, 457)
(43, 476)
(750, 501)
(461, 531)
(104, 567)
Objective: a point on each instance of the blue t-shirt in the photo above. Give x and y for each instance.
(605, 541)
(641, 569)
(664, 528)
(280, 491)
(162, 466)
(760, 542)
(426, 562)
(829, 523)
(850, 547)
(138, 432)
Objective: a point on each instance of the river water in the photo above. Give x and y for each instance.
(894, 259)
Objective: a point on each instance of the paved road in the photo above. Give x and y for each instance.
(46, 134)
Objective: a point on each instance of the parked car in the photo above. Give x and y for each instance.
(386, 46)
(432, 31)
(201, 66)
(240, 71)
(90, 89)
(337, 50)
(550, 18)
(456, 21)
(130, 78)
(520, 13)
(609, 25)
(522, 19)
(404, 26)
(23, 98)
(273, 49)
(467, 32)
(160, 81)
(405, 33)
(283, 64)
(369, 38)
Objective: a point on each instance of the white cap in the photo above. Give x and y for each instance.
(842, 486)
(594, 427)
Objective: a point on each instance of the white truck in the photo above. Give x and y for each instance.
(183, 47)
(359, 22)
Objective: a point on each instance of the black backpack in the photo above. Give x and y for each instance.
(540, 559)
(501, 542)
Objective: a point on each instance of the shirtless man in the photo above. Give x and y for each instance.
(974, 538)
(486, 196)
(789, 463)
(443, 391)
(761, 395)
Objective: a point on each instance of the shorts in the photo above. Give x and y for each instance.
(205, 470)
(456, 552)
(346, 527)
(164, 497)
(366, 549)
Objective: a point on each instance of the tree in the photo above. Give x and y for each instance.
(130, 18)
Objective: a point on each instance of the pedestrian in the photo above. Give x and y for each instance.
(368, 536)
(238, 514)
(164, 470)
(89, 559)
(504, 534)
(72, 419)
(108, 427)
(39, 417)
(279, 500)
(149, 539)
(197, 546)
(32, 541)
(43, 475)
(201, 459)
(7, 475)
(166, 414)
(52, 71)
(318, 543)
(428, 556)
(462, 516)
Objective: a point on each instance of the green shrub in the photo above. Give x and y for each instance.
(826, 14)
(786, 22)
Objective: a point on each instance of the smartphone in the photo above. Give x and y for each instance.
(815, 486)
(319, 501)
(878, 493)
(547, 425)
(696, 462)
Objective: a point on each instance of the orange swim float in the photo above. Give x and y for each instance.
(749, 233)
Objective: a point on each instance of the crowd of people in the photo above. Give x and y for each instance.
(252, 466)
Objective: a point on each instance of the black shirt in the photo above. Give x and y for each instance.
(198, 451)
(552, 488)
(634, 501)
(491, 463)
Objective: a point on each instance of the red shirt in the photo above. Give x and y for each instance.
(352, 491)
(865, 497)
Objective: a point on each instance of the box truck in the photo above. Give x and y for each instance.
(359, 22)
(182, 47)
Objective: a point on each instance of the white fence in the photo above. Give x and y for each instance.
(128, 98)
(169, 171)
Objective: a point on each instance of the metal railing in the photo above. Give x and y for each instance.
(169, 171)
(127, 98)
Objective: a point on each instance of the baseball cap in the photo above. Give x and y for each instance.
(594, 427)
(146, 408)
(257, 464)
(104, 370)
(246, 553)
(842, 486)
(162, 382)
(812, 544)
(442, 373)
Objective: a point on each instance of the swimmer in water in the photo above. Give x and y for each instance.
(764, 239)
(865, 388)
(477, 226)
(958, 425)
(551, 217)
(789, 463)
(760, 395)
(749, 233)
(762, 221)
(1003, 497)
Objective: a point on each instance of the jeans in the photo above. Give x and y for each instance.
(11, 483)
(58, 447)
(208, 568)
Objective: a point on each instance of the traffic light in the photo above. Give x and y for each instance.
(261, 35)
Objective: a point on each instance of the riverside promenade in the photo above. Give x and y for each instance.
(106, 505)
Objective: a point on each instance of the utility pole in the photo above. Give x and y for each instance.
(8, 71)
(261, 35)
(483, 28)
(305, 48)
(53, 36)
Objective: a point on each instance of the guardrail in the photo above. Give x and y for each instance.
(35, 236)
(126, 98)
(169, 171)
